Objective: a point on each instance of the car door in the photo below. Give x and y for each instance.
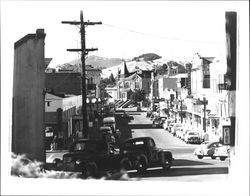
(211, 148)
(152, 151)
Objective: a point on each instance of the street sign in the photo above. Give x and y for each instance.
(226, 135)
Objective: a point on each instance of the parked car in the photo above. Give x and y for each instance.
(212, 149)
(109, 122)
(184, 132)
(157, 122)
(170, 126)
(141, 153)
(91, 157)
(222, 152)
(192, 137)
(107, 134)
(176, 127)
(149, 113)
(179, 133)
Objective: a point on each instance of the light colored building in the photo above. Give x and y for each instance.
(139, 79)
(60, 111)
(198, 103)
(112, 91)
(218, 102)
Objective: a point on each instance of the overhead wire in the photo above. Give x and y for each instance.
(160, 36)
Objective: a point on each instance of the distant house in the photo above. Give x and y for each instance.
(139, 79)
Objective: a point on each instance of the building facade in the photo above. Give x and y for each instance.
(139, 79)
(60, 111)
(28, 96)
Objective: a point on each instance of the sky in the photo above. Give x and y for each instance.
(170, 29)
(130, 28)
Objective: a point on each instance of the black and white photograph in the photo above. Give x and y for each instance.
(125, 98)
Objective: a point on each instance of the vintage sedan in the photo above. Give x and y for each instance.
(141, 153)
(211, 149)
(192, 137)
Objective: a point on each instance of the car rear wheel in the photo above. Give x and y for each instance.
(125, 164)
(166, 162)
(141, 163)
(200, 156)
(223, 158)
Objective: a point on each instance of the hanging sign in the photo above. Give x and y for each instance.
(226, 135)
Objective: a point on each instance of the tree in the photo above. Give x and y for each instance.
(137, 95)
(112, 79)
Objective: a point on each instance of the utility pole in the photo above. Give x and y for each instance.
(204, 103)
(84, 52)
(181, 112)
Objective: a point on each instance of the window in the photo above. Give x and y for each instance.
(48, 103)
(126, 85)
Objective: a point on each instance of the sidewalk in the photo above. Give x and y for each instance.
(56, 151)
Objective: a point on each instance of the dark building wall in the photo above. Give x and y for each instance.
(28, 131)
(68, 83)
(146, 84)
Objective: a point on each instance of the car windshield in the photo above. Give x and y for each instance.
(131, 144)
(90, 146)
(192, 133)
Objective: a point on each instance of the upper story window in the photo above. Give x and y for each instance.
(126, 85)
(48, 103)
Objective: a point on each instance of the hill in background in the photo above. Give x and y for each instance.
(94, 61)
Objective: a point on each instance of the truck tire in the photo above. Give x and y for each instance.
(90, 170)
(166, 160)
(141, 163)
(125, 164)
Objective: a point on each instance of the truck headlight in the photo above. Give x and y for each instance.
(78, 162)
(67, 159)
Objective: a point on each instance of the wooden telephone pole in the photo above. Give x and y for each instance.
(84, 51)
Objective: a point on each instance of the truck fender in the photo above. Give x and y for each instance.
(125, 164)
(168, 155)
(90, 169)
(141, 163)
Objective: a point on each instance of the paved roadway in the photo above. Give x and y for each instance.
(186, 166)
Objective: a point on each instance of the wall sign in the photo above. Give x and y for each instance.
(226, 135)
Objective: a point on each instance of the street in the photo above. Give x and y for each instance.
(186, 166)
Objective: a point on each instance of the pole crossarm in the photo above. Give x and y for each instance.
(84, 51)
(74, 50)
(71, 22)
(78, 23)
(92, 23)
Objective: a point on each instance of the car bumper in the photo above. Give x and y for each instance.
(220, 154)
(194, 141)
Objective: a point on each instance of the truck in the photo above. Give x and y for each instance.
(91, 157)
(141, 153)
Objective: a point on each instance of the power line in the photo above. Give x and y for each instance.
(160, 36)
